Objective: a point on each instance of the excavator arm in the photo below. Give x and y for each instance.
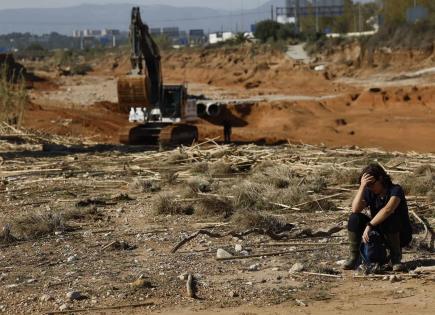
(144, 49)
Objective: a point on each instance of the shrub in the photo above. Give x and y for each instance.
(199, 184)
(249, 195)
(215, 206)
(250, 220)
(166, 203)
(13, 96)
(145, 185)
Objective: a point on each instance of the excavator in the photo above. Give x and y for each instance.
(158, 113)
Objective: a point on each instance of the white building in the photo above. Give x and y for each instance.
(215, 38)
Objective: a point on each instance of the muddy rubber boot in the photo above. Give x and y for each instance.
(354, 247)
(393, 244)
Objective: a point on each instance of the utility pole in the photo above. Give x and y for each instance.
(271, 12)
(297, 11)
(317, 15)
(243, 17)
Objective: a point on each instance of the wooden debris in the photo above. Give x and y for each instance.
(300, 303)
(382, 276)
(302, 244)
(327, 275)
(271, 254)
(425, 269)
(297, 207)
(190, 286)
(92, 309)
(221, 235)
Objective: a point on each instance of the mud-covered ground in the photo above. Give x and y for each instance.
(389, 106)
(102, 220)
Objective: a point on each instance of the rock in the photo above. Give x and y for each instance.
(275, 269)
(320, 68)
(238, 248)
(46, 298)
(244, 253)
(183, 276)
(233, 294)
(297, 267)
(340, 262)
(63, 307)
(75, 296)
(222, 253)
(254, 267)
(71, 259)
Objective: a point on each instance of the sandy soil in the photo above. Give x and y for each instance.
(96, 186)
(394, 118)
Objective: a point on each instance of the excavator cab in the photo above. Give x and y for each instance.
(173, 98)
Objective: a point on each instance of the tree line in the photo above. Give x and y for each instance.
(356, 17)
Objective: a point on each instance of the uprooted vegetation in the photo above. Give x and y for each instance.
(37, 224)
(264, 186)
(422, 182)
(13, 95)
(75, 214)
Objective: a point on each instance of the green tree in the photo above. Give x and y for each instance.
(35, 47)
(266, 30)
(164, 42)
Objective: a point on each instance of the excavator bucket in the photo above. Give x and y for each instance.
(133, 92)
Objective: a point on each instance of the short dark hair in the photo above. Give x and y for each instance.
(378, 173)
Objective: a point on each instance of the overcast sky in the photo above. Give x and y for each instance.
(220, 4)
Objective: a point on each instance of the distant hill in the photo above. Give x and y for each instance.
(117, 16)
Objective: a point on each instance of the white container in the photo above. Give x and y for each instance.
(132, 116)
(140, 116)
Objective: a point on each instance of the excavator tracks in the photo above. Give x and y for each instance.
(178, 134)
(167, 135)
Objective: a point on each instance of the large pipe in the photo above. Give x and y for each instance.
(201, 109)
(211, 109)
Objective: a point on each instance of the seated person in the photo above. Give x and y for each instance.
(389, 216)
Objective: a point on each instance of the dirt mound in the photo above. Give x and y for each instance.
(254, 68)
(393, 51)
(248, 68)
(394, 119)
(101, 122)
